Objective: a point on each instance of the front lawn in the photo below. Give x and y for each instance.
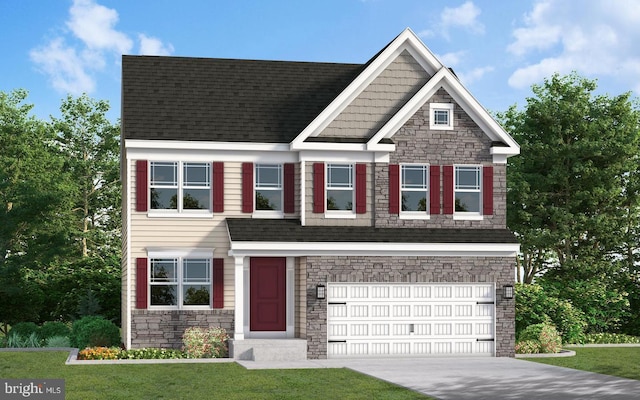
(617, 361)
(196, 381)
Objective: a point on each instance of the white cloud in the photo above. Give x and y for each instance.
(468, 77)
(592, 37)
(92, 29)
(451, 59)
(464, 16)
(153, 46)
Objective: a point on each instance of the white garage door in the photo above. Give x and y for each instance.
(405, 320)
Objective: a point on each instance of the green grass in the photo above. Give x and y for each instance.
(617, 361)
(196, 381)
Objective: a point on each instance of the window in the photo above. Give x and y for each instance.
(441, 116)
(179, 282)
(414, 188)
(180, 186)
(468, 189)
(339, 187)
(268, 188)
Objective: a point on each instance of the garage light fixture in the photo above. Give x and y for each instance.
(507, 292)
(321, 292)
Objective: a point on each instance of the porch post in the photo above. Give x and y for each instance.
(239, 298)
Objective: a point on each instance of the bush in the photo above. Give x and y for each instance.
(205, 343)
(535, 306)
(15, 340)
(151, 354)
(545, 335)
(528, 347)
(25, 329)
(610, 338)
(54, 328)
(57, 341)
(93, 331)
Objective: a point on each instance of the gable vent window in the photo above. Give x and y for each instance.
(441, 116)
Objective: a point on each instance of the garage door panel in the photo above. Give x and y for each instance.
(410, 319)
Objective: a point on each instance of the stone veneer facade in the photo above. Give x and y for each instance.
(164, 328)
(409, 269)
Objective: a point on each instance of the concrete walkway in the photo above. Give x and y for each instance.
(480, 378)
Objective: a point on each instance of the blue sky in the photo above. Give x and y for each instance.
(497, 48)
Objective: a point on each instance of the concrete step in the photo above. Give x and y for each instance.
(268, 349)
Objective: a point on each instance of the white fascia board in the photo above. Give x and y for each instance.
(329, 146)
(343, 156)
(407, 40)
(203, 145)
(204, 155)
(297, 249)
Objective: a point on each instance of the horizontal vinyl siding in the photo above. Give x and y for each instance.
(184, 232)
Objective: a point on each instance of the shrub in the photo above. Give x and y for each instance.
(94, 331)
(54, 328)
(205, 343)
(528, 347)
(25, 329)
(545, 334)
(57, 341)
(610, 338)
(99, 353)
(535, 306)
(151, 354)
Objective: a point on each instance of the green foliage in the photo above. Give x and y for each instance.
(528, 347)
(205, 343)
(92, 331)
(51, 329)
(16, 340)
(151, 354)
(25, 329)
(534, 306)
(57, 341)
(611, 338)
(547, 337)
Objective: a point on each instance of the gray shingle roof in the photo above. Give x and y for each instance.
(290, 230)
(181, 98)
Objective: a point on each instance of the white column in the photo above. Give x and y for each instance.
(239, 299)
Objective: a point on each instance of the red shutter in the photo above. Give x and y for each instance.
(289, 189)
(318, 188)
(142, 185)
(217, 186)
(447, 175)
(218, 283)
(487, 190)
(394, 189)
(247, 187)
(141, 283)
(434, 189)
(361, 188)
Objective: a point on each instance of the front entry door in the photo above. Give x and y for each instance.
(268, 294)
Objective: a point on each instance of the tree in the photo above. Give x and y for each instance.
(90, 143)
(573, 196)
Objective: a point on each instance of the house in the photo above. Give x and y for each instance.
(315, 210)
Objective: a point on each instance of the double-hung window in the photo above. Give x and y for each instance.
(180, 186)
(415, 189)
(180, 282)
(268, 189)
(468, 189)
(340, 192)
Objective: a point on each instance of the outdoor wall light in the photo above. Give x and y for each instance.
(321, 292)
(507, 292)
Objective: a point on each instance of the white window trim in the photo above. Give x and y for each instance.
(340, 214)
(440, 106)
(416, 214)
(180, 212)
(463, 215)
(268, 213)
(179, 254)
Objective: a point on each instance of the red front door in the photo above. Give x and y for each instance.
(268, 302)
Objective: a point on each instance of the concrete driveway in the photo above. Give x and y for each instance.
(480, 378)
